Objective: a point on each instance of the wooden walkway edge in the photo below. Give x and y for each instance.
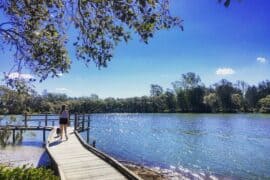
(75, 159)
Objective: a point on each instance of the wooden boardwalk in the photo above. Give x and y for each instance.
(76, 160)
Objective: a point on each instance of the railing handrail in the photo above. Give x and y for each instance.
(81, 121)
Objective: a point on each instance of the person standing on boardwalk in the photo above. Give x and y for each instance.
(63, 121)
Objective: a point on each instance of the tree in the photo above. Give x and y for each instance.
(224, 90)
(94, 97)
(263, 89)
(243, 86)
(189, 92)
(182, 102)
(36, 30)
(158, 103)
(187, 81)
(237, 101)
(211, 100)
(265, 104)
(13, 102)
(195, 99)
(156, 90)
(170, 100)
(251, 97)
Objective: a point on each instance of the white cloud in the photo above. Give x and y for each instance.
(16, 75)
(261, 60)
(225, 71)
(61, 89)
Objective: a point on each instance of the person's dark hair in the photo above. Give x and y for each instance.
(63, 108)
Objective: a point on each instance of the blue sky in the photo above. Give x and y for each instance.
(218, 42)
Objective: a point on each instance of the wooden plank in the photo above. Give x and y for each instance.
(84, 166)
(93, 174)
(74, 156)
(88, 163)
(94, 171)
(114, 177)
(83, 158)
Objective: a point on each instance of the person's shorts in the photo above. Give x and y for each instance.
(63, 121)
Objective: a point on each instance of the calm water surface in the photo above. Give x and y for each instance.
(229, 145)
(31, 150)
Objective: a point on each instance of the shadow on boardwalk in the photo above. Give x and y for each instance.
(55, 143)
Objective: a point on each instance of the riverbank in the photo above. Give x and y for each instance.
(144, 172)
(151, 173)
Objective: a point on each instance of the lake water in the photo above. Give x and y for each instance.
(197, 145)
(225, 145)
(30, 151)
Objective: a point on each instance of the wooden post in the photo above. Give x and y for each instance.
(87, 135)
(88, 121)
(46, 119)
(44, 135)
(13, 136)
(83, 121)
(25, 119)
(75, 121)
(88, 128)
(94, 143)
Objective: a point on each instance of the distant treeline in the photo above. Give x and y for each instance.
(188, 94)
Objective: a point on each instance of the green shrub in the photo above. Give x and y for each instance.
(264, 104)
(26, 173)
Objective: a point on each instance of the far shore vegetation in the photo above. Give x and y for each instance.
(188, 94)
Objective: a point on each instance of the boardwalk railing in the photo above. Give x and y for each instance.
(23, 128)
(46, 118)
(34, 119)
(82, 123)
(46, 122)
